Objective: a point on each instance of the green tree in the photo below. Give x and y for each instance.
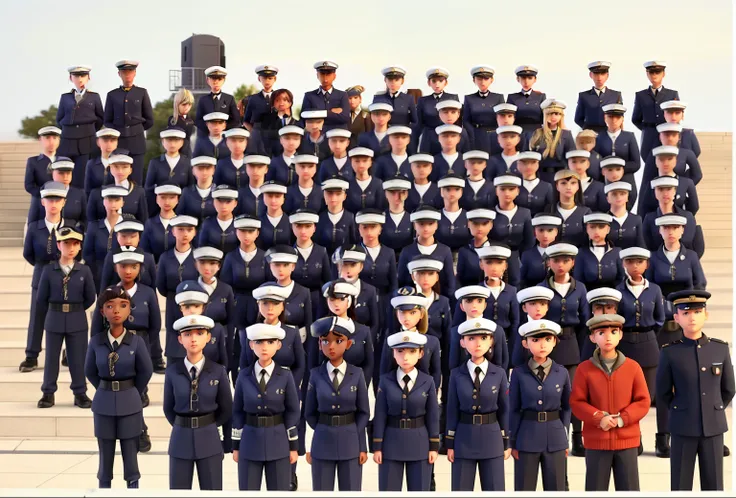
(30, 125)
(244, 91)
(161, 112)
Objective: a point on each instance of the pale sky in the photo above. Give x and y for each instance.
(40, 38)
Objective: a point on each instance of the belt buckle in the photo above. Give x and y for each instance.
(404, 423)
(479, 418)
(195, 422)
(335, 420)
(541, 416)
(65, 308)
(262, 420)
(115, 385)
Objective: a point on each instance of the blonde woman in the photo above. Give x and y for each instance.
(552, 140)
(183, 102)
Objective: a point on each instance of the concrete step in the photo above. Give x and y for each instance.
(11, 242)
(13, 352)
(23, 419)
(26, 387)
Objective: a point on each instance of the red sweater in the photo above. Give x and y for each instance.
(624, 391)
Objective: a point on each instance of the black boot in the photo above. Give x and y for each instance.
(64, 361)
(662, 445)
(294, 485)
(726, 451)
(159, 367)
(432, 484)
(578, 449)
(46, 401)
(28, 365)
(82, 401)
(145, 400)
(133, 484)
(144, 442)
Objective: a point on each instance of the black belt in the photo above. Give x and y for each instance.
(405, 423)
(195, 422)
(478, 418)
(540, 416)
(264, 420)
(336, 420)
(567, 332)
(66, 307)
(116, 385)
(637, 330)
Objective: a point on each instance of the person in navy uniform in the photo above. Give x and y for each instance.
(175, 266)
(452, 229)
(480, 224)
(216, 101)
(181, 118)
(38, 168)
(532, 264)
(119, 367)
(40, 249)
(270, 433)
(534, 193)
(338, 163)
(674, 112)
(328, 98)
(339, 439)
(250, 200)
(360, 119)
(275, 228)
(75, 206)
(647, 113)
(279, 116)
(220, 297)
(427, 113)
(697, 423)
(336, 225)
(505, 116)
(304, 192)
(127, 234)
(212, 142)
(313, 268)
(509, 139)
(534, 302)
(230, 170)
(569, 308)
(479, 118)
(593, 191)
(626, 228)
(449, 114)
(397, 232)
(65, 290)
(539, 405)
(513, 224)
(157, 236)
(527, 101)
(423, 190)
(667, 159)
(97, 171)
(586, 140)
(425, 220)
(687, 162)
(615, 141)
(218, 231)
(588, 112)
(365, 191)
(79, 115)
(612, 170)
(552, 139)
(170, 167)
(477, 437)
(260, 104)
(479, 192)
(128, 109)
(570, 207)
(315, 140)
(120, 164)
(598, 263)
(377, 139)
(197, 399)
(665, 191)
(404, 111)
(100, 237)
(406, 422)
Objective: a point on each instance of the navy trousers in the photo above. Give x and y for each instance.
(209, 473)
(349, 474)
(526, 470)
(250, 474)
(76, 351)
(491, 474)
(35, 328)
(709, 451)
(129, 451)
(600, 463)
(391, 475)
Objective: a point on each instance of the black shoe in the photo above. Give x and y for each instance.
(567, 483)
(578, 449)
(432, 484)
(82, 401)
(64, 361)
(726, 451)
(159, 367)
(145, 400)
(294, 485)
(662, 445)
(28, 365)
(46, 401)
(133, 484)
(144, 443)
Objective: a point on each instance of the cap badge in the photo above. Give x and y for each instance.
(477, 324)
(405, 291)
(192, 321)
(406, 338)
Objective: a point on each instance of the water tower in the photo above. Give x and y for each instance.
(198, 52)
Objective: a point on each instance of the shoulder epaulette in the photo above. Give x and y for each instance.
(679, 341)
(718, 340)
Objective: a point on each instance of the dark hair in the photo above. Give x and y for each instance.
(281, 92)
(577, 198)
(282, 317)
(350, 310)
(110, 293)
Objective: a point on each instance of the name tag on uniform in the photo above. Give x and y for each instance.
(280, 391)
(353, 389)
(215, 382)
(717, 368)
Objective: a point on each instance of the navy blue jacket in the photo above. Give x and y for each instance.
(453, 234)
(296, 200)
(95, 175)
(321, 149)
(686, 195)
(370, 140)
(280, 171)
(572, 230)
(361, 354)
(227, 174)
(685, 273)
(459, 356)
(504, 311)
(211, 234)
(431, 197)
(192, 204)
(527, 393)
(343, 442)
(686, 369)
(646, 311)
(39, 247)
(315, 100)
(589, 109)
(408, 445)
(430, 363)
(540, 196)
(52, 290)
(397, 237)
(533, 269)
(468, 265)
(548, 166)
(483, 198)
(366, 309)
(470, 441)
(79, 120)
(384, 168)
(134, 203)
(630, 234)
(497, 166)
(169, 274)
(221, 308)
(145, 315)
(159, 172)
(214, 396)
(381, 273)
(653, 239)
(608, 272)
(243, 278)
(109, 276)
(203, 146)
(327, 169)
(38, 172)
(571, 312)
(594, 197)
(625, 147)
(156, 239)
(529, 113)
(372, 197)
(428, 117)
(265, 444)
(647, 113)
(256, 108)
(405, 110)
(441, 252)
(98, 242)
(478, 113)
(331, 236)
(75, 208)
(134, 362)
(224, 103)
(270, 235)
(313, 274)
(130, 113)
(291, 355)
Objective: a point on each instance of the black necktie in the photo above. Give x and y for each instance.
(193, 372)
(476, 382)
(436, 96)
(406, 385)
(540, 373)
(335, 381)
(114, 345)
(656, 92)
(262, 383)
(268, 98)
(215, 96)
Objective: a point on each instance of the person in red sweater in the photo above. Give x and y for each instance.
(610, 396)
